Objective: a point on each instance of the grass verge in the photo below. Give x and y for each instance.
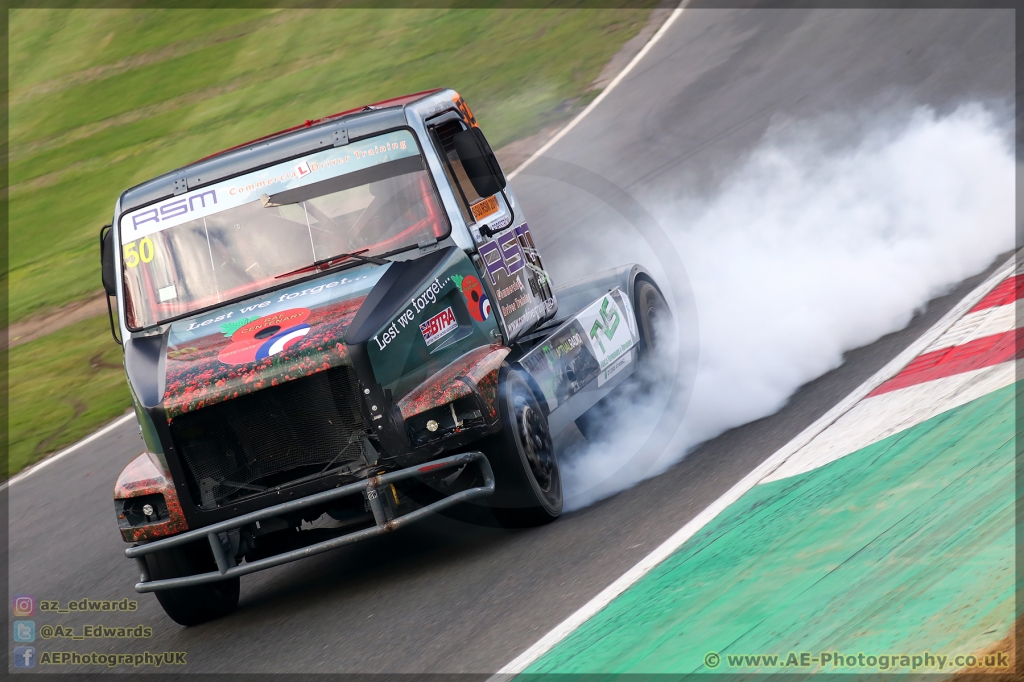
(102, 99)
(63, 386)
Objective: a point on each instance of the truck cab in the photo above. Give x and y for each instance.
(336, 329)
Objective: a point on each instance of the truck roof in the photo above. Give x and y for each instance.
(393, 102)
(306, 137)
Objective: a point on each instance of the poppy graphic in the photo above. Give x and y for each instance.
(266, 336)
(479, 305)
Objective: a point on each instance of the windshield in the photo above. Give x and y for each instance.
(265, 228)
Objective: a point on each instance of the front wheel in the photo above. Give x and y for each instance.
(197, 603)
(528, 484)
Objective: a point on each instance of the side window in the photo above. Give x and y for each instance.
(453, 168)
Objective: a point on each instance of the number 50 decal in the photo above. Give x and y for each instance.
(145, 252)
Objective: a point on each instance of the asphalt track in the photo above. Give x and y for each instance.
(445, 597)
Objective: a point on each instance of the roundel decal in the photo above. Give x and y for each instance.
(479, 305)
(266, 336)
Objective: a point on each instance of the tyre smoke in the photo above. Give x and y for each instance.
(810, 248)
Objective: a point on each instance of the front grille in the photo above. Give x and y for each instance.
(299, 428)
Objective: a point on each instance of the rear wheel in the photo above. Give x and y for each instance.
(528, 484)
(198, 603)
(651, 312)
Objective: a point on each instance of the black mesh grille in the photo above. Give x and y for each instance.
(298, 428)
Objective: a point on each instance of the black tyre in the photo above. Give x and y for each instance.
(651, 312)
(198, 603)
(528, 485)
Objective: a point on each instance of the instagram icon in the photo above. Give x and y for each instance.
(24, 605)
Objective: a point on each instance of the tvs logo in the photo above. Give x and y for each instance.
(479, 304)
(266, 336)
(439, 326)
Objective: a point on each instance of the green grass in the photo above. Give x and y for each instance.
(62, 387)
(102, 100)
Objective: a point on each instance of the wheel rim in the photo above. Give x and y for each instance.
(536, 442)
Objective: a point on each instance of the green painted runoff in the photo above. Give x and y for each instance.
(905, 546)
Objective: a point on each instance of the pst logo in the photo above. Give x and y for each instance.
(24, 605)
(504, 254)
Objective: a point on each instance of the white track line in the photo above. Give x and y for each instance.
(604, 93)
(123, 419)
(561, 133)
(663, 551)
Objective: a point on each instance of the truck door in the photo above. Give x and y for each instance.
(507, 258)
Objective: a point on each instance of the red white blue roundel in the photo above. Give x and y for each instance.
(266, 336)
(476, 299)
(281, 340)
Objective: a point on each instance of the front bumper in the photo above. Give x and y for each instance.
(226, 566)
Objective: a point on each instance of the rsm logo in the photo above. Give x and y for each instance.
(174, 208)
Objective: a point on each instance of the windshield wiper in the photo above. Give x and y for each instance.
(334, 261)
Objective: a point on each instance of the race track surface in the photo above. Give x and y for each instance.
(445, 597)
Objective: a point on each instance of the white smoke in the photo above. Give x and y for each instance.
(809, 249)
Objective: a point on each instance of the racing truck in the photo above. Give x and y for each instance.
(340, 328)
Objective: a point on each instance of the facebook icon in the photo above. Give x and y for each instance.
(24, 657)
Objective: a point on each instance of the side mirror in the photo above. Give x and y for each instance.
(108, 273)
(107, 270)
(479, 161)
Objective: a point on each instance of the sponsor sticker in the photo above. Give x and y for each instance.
(477, 301)
(520, 284)
(419, 304)
(482, 209)
(614, 369)
(247, 188)
(439, 326)
(595, 344)
(608, 334)
(168, 293)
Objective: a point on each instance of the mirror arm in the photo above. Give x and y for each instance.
(106, 294)
(110, 314)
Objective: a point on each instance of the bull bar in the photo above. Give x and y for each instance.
(226, 566)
